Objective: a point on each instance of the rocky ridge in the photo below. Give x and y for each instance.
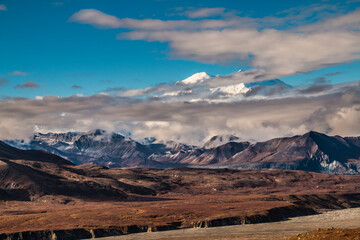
(312, 151)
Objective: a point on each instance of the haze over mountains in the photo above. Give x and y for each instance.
(195, 108)
(312, 151)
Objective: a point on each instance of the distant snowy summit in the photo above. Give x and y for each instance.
(231, 90)
(235, 89)
(195, 78)
(266, 87)
(219, 140)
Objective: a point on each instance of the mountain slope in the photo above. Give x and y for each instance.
(311, 152)
(94, 147)
(217, 155)
(8, 152)
(195, 78)
(40, 176)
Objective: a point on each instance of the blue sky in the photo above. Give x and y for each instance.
(77, 65)
(38, 39)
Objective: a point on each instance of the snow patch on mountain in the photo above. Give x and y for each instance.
(219, 140)
(177, 93)
(242, 89)
(232, 90)
(195, 78)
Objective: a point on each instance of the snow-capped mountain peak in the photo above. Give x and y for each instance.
(231, 90)
(261, 88)
(219, 140)
(195, 78)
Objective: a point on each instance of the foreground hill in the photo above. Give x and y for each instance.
(311, 152)
(38, 175)
(8, 152)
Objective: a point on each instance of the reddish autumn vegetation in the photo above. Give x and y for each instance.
(39, 194)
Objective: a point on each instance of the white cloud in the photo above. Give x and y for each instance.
(96, 18)
(17, 73)
(228, 19)
(3, 7)
(350, 21)
(205, 12)
(334, 112)
(102, 20)
(278, 52)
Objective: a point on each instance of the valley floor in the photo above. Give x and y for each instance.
(77, 202)
(347, 218)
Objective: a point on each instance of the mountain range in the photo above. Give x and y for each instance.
(312, 151)
(200, 87)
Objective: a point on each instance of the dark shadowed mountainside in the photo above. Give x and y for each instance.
(35, 175)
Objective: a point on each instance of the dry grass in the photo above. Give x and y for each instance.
(32, 216)
(164, 197)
